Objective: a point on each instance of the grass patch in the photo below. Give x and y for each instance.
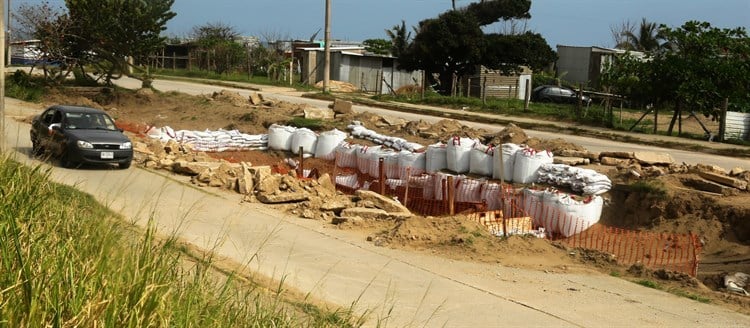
(615, 273)
(649, 284)
(301, 122)
(694, 297)
(66, 260)
(651, 187)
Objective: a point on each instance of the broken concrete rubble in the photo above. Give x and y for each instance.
(652, 158)
(342, 107)
(372, 214)
(379, 201)
(724, 180)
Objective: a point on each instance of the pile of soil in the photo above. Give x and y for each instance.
(722, 222)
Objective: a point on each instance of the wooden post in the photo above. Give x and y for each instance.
(406, 192)
(451, 196)
(381, 175)
(301, 167)
(174, 61)
(484, 91)
(723, 120)
(656, 120)
(527, 96)
(291, 71)
(424, 83)
(580, 100)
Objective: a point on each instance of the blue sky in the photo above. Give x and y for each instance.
(569, 22)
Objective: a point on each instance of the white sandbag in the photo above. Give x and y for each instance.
(441, 184)
(480, 160)
(490, 194)
(280, 137)
(468, 190)
(435, 158)
(506, 155)
(305, 138)
(346, 155)
(575, 216)
(533, 205)
(348, 181)
(364, 154)
(424, 182)
(458, 154)
(527, 163)
(327, 142)
(414, 161)
(390, 163)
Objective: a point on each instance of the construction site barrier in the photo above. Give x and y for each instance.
(507, 211)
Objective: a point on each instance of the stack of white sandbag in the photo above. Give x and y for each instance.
(346, 155)
(415, 162)
(562, 213)
(481, 159)
(327, 143)
(211, 141)
(304, 140)
(527, 163)
(435, 157)
(458, 154)
(280, 137)
(585, 181)
(504, 160)
(359, 131)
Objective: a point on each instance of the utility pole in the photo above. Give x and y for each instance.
(327, 52)
(2, 76)
(10, 38)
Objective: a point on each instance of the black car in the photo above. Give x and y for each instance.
(80, 135)
(556, 94)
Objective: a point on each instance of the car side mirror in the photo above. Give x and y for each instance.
(55, 127)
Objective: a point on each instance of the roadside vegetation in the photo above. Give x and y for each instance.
(67, 261)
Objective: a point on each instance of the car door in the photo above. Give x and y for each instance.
(51, 139)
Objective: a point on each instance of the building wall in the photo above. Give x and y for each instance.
(573, 63)
(738, 126)
(495, 84)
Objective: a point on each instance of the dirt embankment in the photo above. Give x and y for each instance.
(669, 204)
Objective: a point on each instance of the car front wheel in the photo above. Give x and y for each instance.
(124, 165)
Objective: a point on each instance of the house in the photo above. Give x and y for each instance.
(585, 64)
(492, 83)
(352, 64)
(25, 52)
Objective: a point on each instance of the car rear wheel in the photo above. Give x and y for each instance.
(36, 148)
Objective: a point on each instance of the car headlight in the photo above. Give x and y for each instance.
(126, 145)
(84, 144)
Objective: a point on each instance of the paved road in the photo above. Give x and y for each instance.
(401, 288)
(592, 144)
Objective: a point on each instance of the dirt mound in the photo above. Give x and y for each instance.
(231, 97)
(409, 90)
(510, 134)
(553, 145)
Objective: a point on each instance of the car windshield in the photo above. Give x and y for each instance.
(89, 121)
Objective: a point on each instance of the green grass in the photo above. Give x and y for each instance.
(66, 260)
(653, 188)
(230, 77)
(649, 284)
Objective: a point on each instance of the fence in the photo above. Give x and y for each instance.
(506, 211)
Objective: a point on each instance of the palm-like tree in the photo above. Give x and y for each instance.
(647, 39)
(400, 39)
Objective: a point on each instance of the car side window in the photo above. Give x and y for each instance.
(48, 116)
(56, 117)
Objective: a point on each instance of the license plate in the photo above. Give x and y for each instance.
(107, 155)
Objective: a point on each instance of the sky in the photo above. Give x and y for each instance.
(566, 22)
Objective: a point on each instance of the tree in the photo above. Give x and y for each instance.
(377, 46)
(400, 39)
(52, 27)
(703, 68)
(219, 48)
(646, 40)
(453, 43)
(447, 45)
(106, 32)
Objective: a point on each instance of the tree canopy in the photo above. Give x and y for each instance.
(454, 43)
(109, 31)
(700, 69)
